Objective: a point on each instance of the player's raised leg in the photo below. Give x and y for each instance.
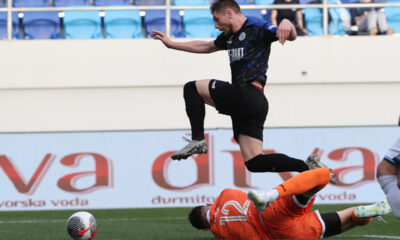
(314, 161)
(307, 183)
(196, 94)
(256, 161)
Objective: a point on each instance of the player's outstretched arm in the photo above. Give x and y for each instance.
(192, 46)
(286, 31)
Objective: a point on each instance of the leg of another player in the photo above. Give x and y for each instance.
(347, 219)
(256, 161)
(388, 178)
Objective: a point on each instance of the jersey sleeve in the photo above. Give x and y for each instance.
(269, 32)
(221, 41)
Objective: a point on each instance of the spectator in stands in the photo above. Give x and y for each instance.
(370, 20)
(294, 15)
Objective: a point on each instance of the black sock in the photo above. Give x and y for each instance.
(195, 110)
(275, 162)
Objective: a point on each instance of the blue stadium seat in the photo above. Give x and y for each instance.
(263, 2)
(41, 25)
(309, 1)
(313, 17)
(149, 2)
(266, 17)
(192, 2)
(350, 1)
(111, 2)
(123, 24)
(31, 3)
(71, 3)
(82, 25)
(253, 13)
(393, 16)
(155, 20)
(244, 2)
(199, 24)
(3, 25)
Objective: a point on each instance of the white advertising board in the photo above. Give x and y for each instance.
(86, 170)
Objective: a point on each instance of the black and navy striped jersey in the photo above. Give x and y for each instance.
(249, 50)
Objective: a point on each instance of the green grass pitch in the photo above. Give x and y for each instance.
(149, 224)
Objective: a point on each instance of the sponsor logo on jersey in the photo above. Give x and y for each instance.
(236, 54)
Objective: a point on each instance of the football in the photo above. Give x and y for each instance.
(82, 226)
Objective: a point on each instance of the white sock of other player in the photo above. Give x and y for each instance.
(389, 186)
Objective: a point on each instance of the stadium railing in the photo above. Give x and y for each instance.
(168, 7)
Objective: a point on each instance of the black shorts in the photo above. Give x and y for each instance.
(246, 104)
(333, 224)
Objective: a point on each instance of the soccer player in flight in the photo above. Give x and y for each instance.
(248, 42)
(282, 213)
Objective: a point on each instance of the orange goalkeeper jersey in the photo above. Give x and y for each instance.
(233, 216)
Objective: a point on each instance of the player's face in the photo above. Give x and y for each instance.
(223, 21)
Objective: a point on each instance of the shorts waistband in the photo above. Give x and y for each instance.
(259, 88)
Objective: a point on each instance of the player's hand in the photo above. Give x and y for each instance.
(304, 31)
(162, 37)
(284, 29)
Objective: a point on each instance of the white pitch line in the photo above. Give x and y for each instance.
(368, 236)
(101, 220)
(177, 218)
(31, 221)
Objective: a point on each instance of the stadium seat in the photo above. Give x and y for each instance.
(82, 25)
(155, 20)
(149, 2)
(313, 17)
(253, 13)
(31, 3)
(244, 2)
(111, 2)
(266, 17)
(71, 3)
(123, 24)
(263, 2)
(199, 24)
(192, 2)
(3, 25)
(41, 25)
(393, 16)
(350, 1)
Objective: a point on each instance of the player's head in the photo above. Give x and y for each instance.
(224, 11)
(198, 217)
